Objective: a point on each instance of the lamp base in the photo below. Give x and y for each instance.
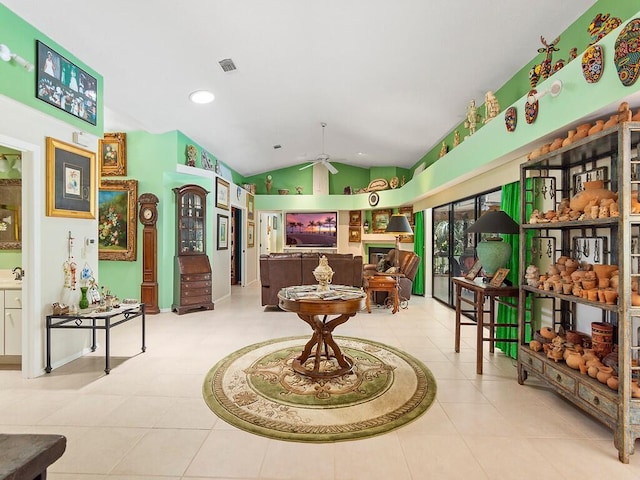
(493, 254)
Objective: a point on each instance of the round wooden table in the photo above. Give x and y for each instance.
(315, 311)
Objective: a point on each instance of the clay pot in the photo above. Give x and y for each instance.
(599, 125)
(588, 284)
(604, 283)
(574, 359)
(566, 288)
(604, 271)
(604, 373)
(614, 281)
(592, 371)
(589, 355)
(548, 333)
(535, 345)
(612, 382)
(613, 120)
(635, 299)
(635, 390)
(601, 297)
(574, 337)
(611, 296)
(592, 190)
(583, 368)
(570, 135)
(556, 144)
(582, 131)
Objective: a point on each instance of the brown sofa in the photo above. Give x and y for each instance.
(279, 270)
(408, 264)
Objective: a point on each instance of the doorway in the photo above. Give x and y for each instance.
(236, 245)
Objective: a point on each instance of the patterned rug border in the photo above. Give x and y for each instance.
(227, 410)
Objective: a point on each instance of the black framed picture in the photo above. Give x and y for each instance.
(63, 84)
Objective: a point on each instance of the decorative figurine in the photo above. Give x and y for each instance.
(299, 190)
(472, 117)
(456, 138)
(192, 154)
(443, 150)
(549, 48)
(491, 107)
(323, 274)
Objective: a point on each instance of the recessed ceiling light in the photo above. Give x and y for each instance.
(361, 153)
(201, 96)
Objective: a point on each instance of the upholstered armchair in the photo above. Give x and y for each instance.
(408, 264)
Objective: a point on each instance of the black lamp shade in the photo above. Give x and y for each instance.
(399, 225)
(494, 222)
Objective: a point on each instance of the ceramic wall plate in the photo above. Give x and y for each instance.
(374, 198)
(511, 118)
(531, 108)
(627, 55)
(593, 63)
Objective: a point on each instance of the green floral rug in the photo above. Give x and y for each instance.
(256, 389)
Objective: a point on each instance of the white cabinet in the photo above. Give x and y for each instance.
(11, 325)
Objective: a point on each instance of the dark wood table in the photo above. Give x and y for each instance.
(27, 456)
(92, 320)
(315, 311)
(482, 291)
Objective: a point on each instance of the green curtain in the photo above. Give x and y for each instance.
(510, 204)
(418, 248)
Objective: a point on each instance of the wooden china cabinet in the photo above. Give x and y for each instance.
(192, 270)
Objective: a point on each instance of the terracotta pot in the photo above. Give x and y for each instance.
(612, 382)
(581, 132)
(604, 283)
(599, 125)
(535, 345)
(592, 295)
(592, 190)
(613, 120)
(588, 284)
(566, 288)
(635, 299)
(574, 359)
(556, 144)
(611, 296)
(604, 271)
(548, 333)
(601, 297)
(583, 368)
(592, 371)
(604, 373)
(569, 139)
(574, 337)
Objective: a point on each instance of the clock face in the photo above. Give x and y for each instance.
(147, 214)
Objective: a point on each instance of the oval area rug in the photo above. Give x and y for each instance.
(257, 390)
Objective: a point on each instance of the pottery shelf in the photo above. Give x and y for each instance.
(612, 156)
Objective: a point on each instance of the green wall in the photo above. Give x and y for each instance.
(17, 83)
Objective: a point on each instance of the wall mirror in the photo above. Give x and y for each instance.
(10, 214)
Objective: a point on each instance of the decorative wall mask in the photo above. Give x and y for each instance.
(627, 54)
(511, 118)
(601, 25)
(593, 63)
(531, 108)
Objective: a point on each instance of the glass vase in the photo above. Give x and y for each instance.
(84, 301)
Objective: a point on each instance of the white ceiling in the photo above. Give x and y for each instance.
(390, 78)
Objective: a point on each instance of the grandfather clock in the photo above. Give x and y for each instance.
(148, 214)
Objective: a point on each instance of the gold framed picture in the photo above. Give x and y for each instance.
(71, 188)
(499, 277)
(251, 234)
(407, 212)
(355, 218)
(250, 207)
(380, 220)
(117, 212)
(474, 271)
(113, 155)
(355, 234)
(222, 193)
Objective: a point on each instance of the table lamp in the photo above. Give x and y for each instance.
(398, 225)
(493, 253)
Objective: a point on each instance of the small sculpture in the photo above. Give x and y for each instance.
(323, 273)
(472, 117)
(491, 107)
(299, 190)
(456, 138)
(549, 48)
(443, 150)
(192, 154)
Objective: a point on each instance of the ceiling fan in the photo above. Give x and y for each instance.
(323, 158)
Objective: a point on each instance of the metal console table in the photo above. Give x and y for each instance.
(94, 321)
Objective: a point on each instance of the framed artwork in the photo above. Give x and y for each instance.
(113, 155)
(474, 271)
(355, 234)
(64, 85)
(10, 214)
(355, 218)
(223, 232)
(222, 193)
(250, 206)
(499, 277)
(117, 213)
(406, 239)
(71, 189)
(251, 234)
(407, 212)
(380, 220)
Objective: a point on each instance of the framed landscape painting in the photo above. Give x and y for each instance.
(117, 213)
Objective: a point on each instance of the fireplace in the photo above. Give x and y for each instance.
(375, 254)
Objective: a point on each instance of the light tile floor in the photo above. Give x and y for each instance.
(147, 418)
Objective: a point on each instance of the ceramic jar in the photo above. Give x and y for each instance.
(612, 382)
(592, 190)
(599, 125)
(611, 296)
(604, 373)
(581, 132)
(574, 359)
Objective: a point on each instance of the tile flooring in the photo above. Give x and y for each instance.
(147, 419)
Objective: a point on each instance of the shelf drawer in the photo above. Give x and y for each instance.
(13, 299)
(599, 401)
(196, 285)
(195, 292)
(195, 300)
(529, 360)
(195, 277)
(560, 378)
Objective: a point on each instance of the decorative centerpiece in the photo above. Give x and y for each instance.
(323, 274)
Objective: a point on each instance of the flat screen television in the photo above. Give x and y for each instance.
(312, 229)
(63, 84)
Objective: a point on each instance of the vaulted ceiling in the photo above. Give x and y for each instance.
(390, 78)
